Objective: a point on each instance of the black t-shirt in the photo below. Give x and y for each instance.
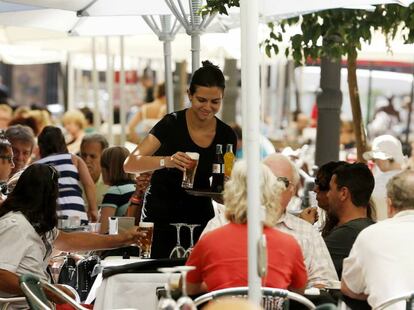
(166, 196)
(342, 238)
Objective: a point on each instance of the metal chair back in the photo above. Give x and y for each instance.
(10, 301)
(33, 289)
(273, 298)
(408, 298)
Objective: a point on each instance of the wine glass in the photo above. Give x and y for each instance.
(185, 302)
(167, 302)
(192, 227)
(178, 251)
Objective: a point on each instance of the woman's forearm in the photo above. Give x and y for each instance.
(82, 241)
(141, 164)
(9, 282)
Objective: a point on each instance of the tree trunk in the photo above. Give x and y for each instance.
(360, 135)
(329, 102)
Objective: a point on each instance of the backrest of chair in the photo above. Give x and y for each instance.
(5, 303)
(273, 298)
(35, 296)
(408, 298)
(62, 295)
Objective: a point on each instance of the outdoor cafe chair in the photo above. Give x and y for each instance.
(408, 298)
(273, 298)
(10, 301)
(33, 289)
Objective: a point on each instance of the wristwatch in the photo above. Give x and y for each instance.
(162, 163)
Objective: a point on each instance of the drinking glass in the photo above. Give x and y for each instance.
(189, 173)
(146, 242)
(185, 302)
(178, 251)
(167, 302)
(191, 227)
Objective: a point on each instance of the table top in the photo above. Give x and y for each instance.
(127, 290)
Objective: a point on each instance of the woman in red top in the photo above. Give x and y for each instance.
(220, 257)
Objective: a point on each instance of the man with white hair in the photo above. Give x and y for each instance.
(319, 265)
(380, 265)
(386, 152)
(318, 262)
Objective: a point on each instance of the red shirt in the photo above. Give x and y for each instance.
(220, 258)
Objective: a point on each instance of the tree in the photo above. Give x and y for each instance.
(333, 34)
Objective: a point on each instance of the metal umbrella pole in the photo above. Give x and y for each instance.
(249, 14)
(194, 26)
(165, 33)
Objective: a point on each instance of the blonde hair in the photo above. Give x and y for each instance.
(74, 116)
(41, 117)
(6, 108)
(235, 195)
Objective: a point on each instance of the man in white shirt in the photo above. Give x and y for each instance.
(380, 265)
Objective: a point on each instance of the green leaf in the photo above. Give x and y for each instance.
(268, 50)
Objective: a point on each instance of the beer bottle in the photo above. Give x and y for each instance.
(217, 184)
(228, 160)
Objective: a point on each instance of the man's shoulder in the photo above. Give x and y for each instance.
(296, 224)
(357, 225)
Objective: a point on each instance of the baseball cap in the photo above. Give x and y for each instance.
(385, 147)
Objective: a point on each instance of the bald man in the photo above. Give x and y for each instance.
(319, 265)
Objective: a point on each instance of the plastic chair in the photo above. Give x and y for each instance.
(33, 289)
(10, 301)
(273, 298)
(408, 298)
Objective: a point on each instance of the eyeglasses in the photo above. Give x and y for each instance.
(321, 185)
(9, 158)
(285, 181)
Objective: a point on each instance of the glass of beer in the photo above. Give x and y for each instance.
(146, 242)
(189, 173)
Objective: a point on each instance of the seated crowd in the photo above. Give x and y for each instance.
(372, 260)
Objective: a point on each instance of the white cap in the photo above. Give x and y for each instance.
(385, 147)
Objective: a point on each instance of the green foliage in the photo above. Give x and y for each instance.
(331, 33)
(340, 32)
(219, 6)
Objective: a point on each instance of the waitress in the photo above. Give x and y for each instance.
(195, 129)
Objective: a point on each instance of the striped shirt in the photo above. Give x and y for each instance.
(70, 198)
(118, 197)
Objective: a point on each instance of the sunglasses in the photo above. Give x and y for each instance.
(285, 181)
(321, 185)
(8, 158)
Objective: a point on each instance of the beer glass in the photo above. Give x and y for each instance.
(146, 242)
(189, 173)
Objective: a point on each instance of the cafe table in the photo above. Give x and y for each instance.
(127, 290)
